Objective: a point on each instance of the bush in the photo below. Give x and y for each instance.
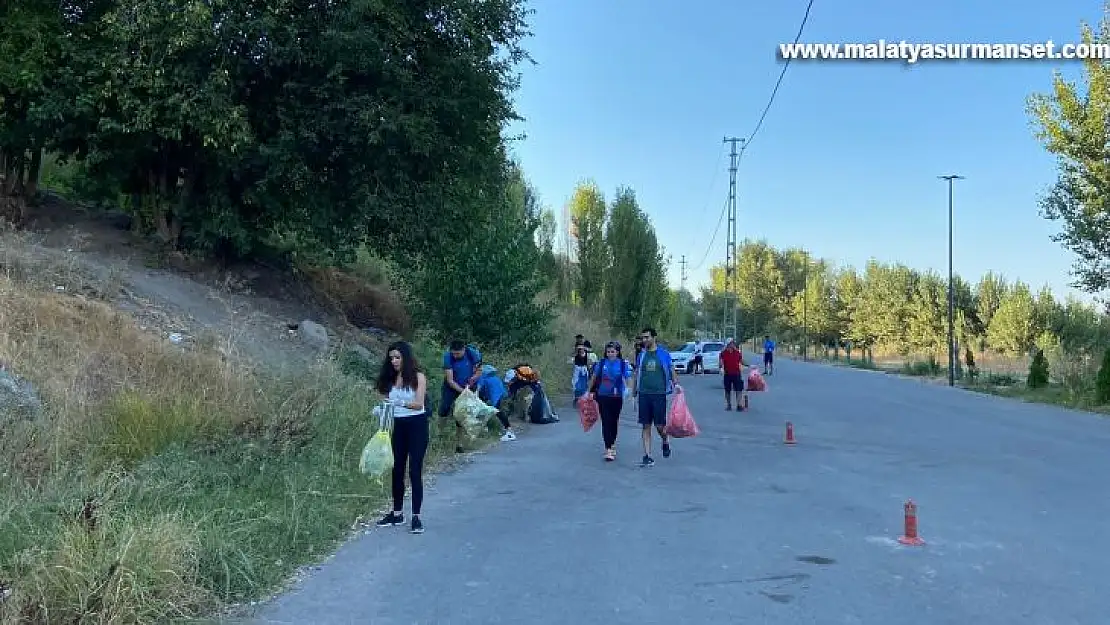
(1102, 380)
(1038, 371)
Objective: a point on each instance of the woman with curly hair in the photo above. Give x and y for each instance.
(405, 386)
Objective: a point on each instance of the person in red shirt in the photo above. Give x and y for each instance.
(732, 364)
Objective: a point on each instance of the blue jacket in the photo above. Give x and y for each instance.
(490, 386)
(664, 361)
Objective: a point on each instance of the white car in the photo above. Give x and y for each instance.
(711, 356)
(683, 359)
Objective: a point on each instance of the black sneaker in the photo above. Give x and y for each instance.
(728, 406)
(666, 450)
(647, 462)
(417, 526)
(391, 519)
(458, 449)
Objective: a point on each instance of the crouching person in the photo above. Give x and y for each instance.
(493, 391)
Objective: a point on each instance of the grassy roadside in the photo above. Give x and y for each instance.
(1071, 387)
(160, 484)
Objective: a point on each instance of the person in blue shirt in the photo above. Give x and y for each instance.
(608, 383)
(653, 383)
(461, 369)
(492, 390)
(768, 355)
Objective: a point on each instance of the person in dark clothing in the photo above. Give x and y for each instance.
(404, 386)
(607, 385)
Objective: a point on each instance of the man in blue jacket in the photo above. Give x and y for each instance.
(654, 381)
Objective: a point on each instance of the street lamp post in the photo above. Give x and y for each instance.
(805, 309)
(951, 178)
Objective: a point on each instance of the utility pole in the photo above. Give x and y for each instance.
(729, 325)
(805, 309)
(682, 275)
(951, 178)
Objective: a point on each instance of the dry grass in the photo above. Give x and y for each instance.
(161, 481)
(361, 302)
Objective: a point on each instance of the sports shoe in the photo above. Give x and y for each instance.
(391, 519)
(417, 526)
(647, 462)
(666, 450)
(508, 436)
(610, 455)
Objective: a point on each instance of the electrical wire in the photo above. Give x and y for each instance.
(758, 126)
(720, 220)
(709, 193)
(782, 74)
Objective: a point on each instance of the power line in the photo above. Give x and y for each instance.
(782, 74)
(709, 192)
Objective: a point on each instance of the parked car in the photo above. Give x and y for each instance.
(711, 356)
(683, 358)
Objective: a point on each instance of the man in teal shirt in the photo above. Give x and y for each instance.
(654, 381)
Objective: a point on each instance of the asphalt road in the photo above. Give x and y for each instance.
(736, 527)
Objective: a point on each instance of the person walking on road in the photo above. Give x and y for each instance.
(462, 365)
(607, 384)
(732, 365)
(404, 385)
(653, 383)
(768, 355)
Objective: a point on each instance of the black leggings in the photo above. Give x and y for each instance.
(610, 408)
(410, 443)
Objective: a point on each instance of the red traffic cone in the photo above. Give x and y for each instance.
(789, 440)
(909, 536)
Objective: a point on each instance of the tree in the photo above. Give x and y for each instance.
(486, 289)
(588, 213)
(1072, 124)
(1014, 328)
(634, 282)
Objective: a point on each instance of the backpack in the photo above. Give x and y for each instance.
(474, 354)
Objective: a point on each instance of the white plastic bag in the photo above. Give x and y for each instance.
(472, 413)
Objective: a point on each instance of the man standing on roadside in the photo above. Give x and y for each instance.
(654, 381)
(768, 355)
(732, 364)
(462, 366)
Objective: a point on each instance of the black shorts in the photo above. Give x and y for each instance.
(768, 358)
(652, 410)
(734, 383)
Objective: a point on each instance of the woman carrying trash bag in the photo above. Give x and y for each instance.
(405, 387)
(607, 385)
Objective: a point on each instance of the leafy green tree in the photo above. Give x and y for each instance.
(588, 213)
(487, 288)
(1071, 122)
(635, 280)
(1014, 328)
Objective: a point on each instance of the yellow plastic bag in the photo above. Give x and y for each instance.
(472, 413)
(377, 455)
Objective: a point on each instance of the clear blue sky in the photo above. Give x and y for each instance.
(641, 94)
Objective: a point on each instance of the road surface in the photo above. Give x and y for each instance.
(736, 527)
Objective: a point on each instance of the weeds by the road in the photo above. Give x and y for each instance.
(1071, 384)
(158, 482)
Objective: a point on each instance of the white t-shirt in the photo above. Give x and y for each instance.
(401, 396)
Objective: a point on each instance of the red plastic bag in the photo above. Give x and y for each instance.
(756, 381)
(588, 412)
(680, 423)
